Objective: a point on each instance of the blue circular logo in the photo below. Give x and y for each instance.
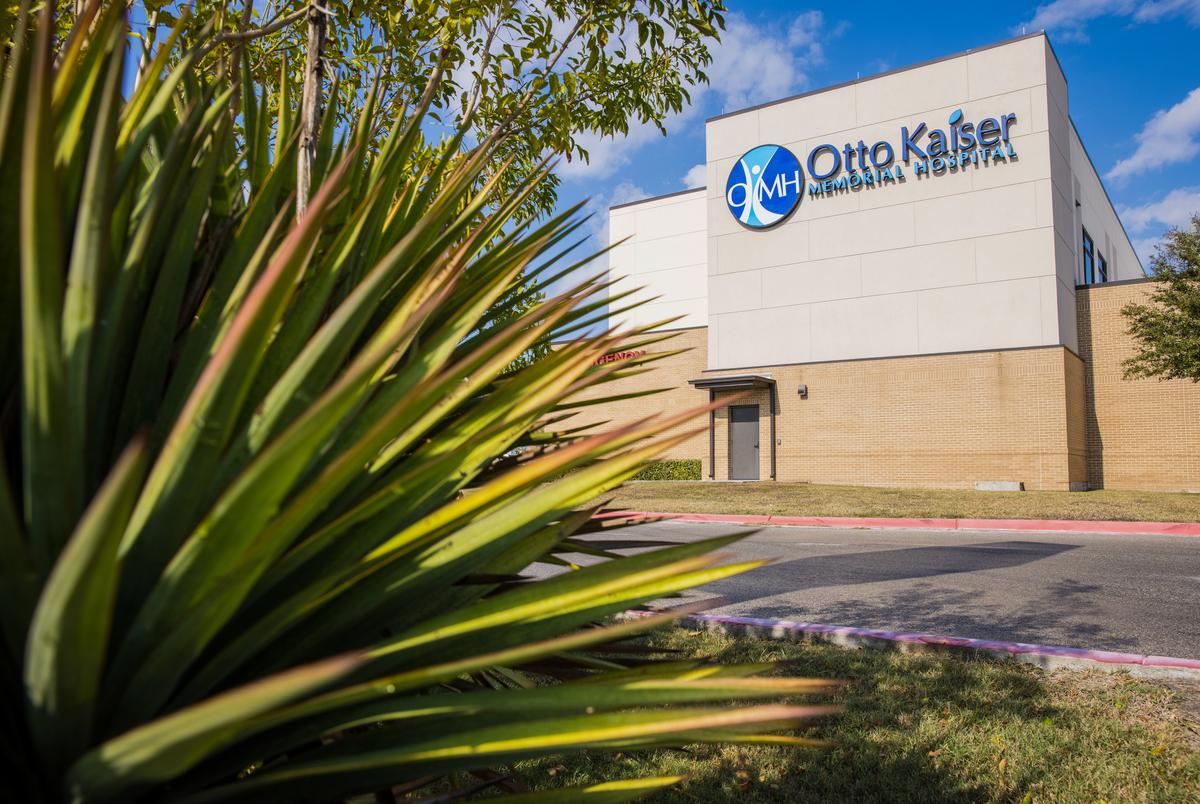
(765, 186)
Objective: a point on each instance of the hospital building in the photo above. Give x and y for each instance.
(911, 279)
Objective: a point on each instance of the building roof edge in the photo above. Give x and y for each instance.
(656, 198)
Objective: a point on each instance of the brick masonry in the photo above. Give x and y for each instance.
(1043, 416)
(1141, 434)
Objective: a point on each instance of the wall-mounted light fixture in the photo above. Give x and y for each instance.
(803, 391)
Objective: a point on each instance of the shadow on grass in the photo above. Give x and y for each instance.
(890, 742)
(924, 727)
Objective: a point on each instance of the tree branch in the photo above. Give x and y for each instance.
(498, 131)
(477, 89)
(251, 34)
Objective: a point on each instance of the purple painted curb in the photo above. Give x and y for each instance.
(886, 523)
(1022, 651)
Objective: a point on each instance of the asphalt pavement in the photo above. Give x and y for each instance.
(1138, 594)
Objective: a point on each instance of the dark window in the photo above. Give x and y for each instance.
(1103, 265)
(1089, 260)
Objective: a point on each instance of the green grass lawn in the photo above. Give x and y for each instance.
(931, 727)
(803, 499)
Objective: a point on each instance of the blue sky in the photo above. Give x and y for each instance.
(1132, 67)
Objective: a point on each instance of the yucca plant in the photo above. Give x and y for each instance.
(269, 485)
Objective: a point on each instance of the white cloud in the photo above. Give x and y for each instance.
(754, 64)
(1171, 136)
(1145, 248)
(751, 64)
(607, 155)
(697, 176)
(1150, 220)
(625, 192)
(1176, 208)
(1068, 19)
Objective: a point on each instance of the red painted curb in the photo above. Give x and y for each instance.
(1060, 525)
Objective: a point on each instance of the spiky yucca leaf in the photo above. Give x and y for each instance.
(272, 484)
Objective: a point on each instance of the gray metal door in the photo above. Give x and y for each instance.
(743, 442)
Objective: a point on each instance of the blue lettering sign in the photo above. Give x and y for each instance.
(767, 183)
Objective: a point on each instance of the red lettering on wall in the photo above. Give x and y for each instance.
(615, 356)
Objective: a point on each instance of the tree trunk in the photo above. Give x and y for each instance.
(147, 45)
(310, 105)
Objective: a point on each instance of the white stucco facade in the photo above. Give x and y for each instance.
(979, 257)
(660, 245)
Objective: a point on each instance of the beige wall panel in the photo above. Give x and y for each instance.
(683, 214)
(720, 221)
(985, 316)
(1048, 286)
(693, 311)
(672, 284)
(1060, 170)
(746, 250)
(666, 254)
(918, 187)
(869, 230)
(1065, 217)
(1015, 255)
(975, 214)
(765, 337)
(1064, 261)
(1044, 202)
(621, 224)
(827, 206)
(730, 293)
(728, 136)
(1059, 126)
(789, 122)
(1039, 110)
(1031, 163)
(1056, 82)
(865, 327)
(661, 253)
(933, 86)
(997, 70)
(718, 174)
(819, 280)
(919, 267)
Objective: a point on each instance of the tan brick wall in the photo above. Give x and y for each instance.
(1141, 434)
(1076, 413)
(671, 374)
(937, 421)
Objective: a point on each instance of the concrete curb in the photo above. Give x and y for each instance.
(1048, 657)
(889, 523)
